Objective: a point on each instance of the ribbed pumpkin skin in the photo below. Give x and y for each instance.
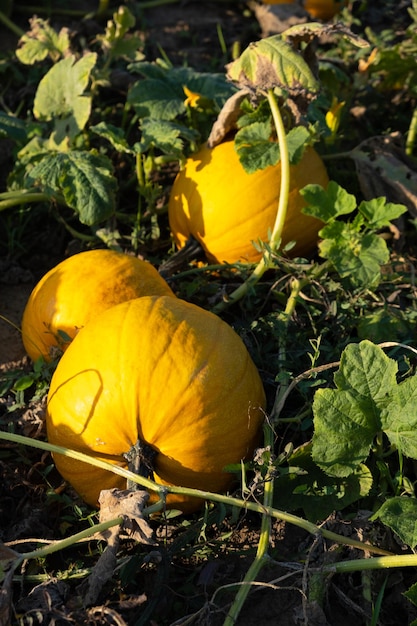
(225, 209)
(78, 289)
(167, 372)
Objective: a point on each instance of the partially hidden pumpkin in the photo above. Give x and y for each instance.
(226, 209)
(324, 9)
(164, 372)
(318, 9)
(77, 290)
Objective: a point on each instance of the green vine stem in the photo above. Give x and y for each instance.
(8, 23)
(10, 199)
(411, 135)
(261, 557)
(163, 490)
(275, 240)
(55, 546)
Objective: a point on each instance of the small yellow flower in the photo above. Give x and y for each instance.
(195, 100)
(333, 116)
(364, 64)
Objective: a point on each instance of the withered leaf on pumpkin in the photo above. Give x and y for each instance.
(272, 63)
(312, 30)
(227, 118)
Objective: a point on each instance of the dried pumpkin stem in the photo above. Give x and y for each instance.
(275, 240)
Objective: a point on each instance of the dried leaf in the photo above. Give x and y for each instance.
(384, 169)
(227, 118)
(273, 63)
(116, 503)
(129, 504)
(308, 32)
(275, 19)
(102, 571)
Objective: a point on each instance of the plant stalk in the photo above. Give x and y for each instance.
(262, 550)
(8, 23)
(13, 198)
(266, 262)
(411, 135)
(163, 490)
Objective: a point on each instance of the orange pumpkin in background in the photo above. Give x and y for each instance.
(77, 290)
(222, 206)
(318, 9)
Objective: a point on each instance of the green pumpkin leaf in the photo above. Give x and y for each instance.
(84, 180)
(379, 213)
(355, 255)
(114, 135)
(343, 431)
(305, 486)
(166, 135)
(273, 63)
(254, 146)
(368, 373)
(347, 419)
(399, 419)
(42, 40)
(114, 39)
(160, 95)
(60, 95)
(400, 514)
(297, 139)
(327, 204)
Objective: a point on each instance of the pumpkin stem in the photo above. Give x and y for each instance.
(140, 460)
(275, 240)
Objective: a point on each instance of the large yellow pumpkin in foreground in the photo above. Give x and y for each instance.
(167, 373)
(80, 288)
(222, 206)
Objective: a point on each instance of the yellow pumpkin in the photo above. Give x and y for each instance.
(167, 373)
(77, 290)
(222, 206)
(319, 9)
(324, 9)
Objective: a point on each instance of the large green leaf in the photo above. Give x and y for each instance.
(60, 94)
(399, 419)
(347, 419)
(160, 95)
(85, 181)
(273, 63)
(305, 486)
(400, 514)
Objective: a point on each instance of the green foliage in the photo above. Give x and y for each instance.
(61, 97)
(83, 179)
(160, 93)
(305, 486)
(42, 41)
(400, 514)
(256, 150)
(272, 63)
(366, 404)
(354, 248)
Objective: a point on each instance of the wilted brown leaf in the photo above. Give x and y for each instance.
(384, 169)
